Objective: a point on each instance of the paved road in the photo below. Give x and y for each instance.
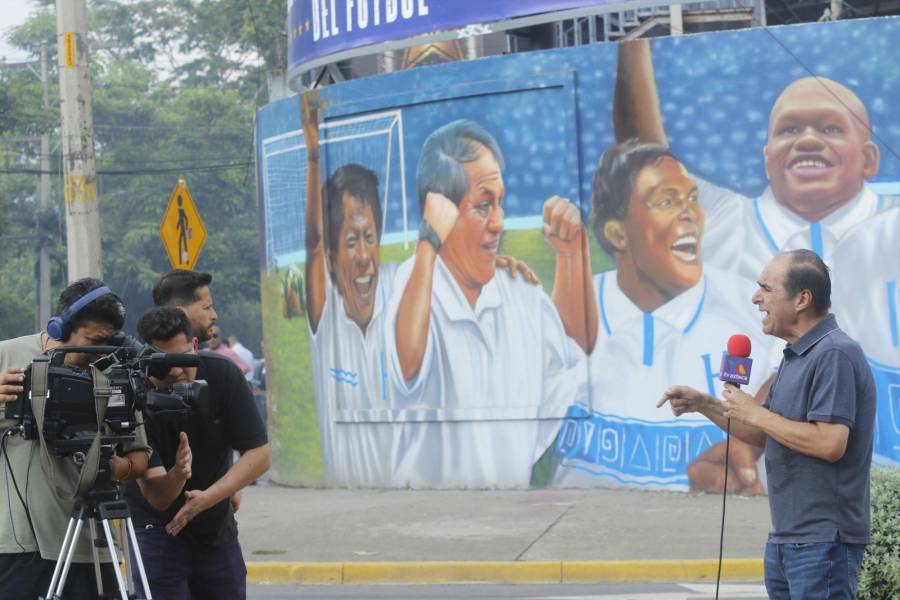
(641, 591)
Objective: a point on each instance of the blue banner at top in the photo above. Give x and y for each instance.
(322, 27)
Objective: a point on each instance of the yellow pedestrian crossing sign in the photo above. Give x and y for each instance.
(182, 231)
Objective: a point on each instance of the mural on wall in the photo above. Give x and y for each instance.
(485, 274)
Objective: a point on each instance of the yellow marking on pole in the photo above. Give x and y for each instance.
(79, 189)
(69, 43)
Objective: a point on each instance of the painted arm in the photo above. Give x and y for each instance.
(636, 112)
(414, 313)
(249, 467)
(707, 472)
(573, 292)
(310, 109)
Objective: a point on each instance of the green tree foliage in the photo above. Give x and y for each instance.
(176, 87)
(880, 578)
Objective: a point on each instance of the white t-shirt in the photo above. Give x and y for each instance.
(743, 234)
(494, 382)
(246, 356)
(866, 297)
(624, 439)
(350, 377)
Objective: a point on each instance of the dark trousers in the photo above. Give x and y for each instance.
(829, 571)
(26, 576)
(178, 570)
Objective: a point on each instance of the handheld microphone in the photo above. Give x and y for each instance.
(736, 361)
(735, 369)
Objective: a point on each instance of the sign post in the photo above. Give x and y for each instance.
(182, 231)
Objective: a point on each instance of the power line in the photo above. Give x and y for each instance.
(114, 172)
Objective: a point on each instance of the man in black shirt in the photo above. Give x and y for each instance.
(183, 515)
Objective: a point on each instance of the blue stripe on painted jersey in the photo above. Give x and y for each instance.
(815, 236)
(892, 302)
(762, 226)
(648, 340)
(384, 378)
(600, 285)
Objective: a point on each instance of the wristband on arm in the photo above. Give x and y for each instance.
(428, 234)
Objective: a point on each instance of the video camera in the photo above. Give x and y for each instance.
(74, 400)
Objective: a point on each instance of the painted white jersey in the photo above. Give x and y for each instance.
(494, 383)
(866, 300)
(743, 234)
(352, 394)
(624, 439)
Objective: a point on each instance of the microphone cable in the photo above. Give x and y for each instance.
(724, 496)
(9, 471)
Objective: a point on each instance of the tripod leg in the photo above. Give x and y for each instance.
(96, 552)
(115, 559)
(130, 535)
(126, 555)
(68, 561)
(62, 563)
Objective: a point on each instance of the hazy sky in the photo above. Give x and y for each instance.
(12, 13)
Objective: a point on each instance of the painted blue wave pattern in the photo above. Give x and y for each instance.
(342, 376)
(632, 451)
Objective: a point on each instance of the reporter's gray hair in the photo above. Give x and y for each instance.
(440, 168)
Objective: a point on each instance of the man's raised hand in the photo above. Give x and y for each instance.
(183, 457)
(562, 227)
(441, 214)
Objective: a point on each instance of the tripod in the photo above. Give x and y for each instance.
(102, 505)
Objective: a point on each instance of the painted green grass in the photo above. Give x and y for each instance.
(293, 426)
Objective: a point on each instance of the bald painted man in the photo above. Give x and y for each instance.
(818, 157)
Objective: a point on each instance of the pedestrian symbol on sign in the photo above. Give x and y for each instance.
(184, 233)
(182, 230)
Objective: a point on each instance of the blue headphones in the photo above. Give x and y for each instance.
(58, 327)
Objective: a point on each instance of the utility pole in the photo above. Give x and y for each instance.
(42, 313)
(79, 168)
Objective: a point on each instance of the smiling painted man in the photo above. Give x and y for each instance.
(818, 155)
(347, 287)
(483, 366)
(662, 316)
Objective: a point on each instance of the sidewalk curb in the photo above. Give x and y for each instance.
(566, 571)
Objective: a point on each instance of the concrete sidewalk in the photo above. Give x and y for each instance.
(365, 536)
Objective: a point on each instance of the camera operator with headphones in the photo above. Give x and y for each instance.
(182, 513)
(36, 507)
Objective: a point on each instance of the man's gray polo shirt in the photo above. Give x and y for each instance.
(823, 377)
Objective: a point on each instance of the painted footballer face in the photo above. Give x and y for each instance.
(664, 226)
(355, 265)
(819, 152)
(471, 247)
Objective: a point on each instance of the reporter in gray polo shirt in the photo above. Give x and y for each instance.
(816, 425)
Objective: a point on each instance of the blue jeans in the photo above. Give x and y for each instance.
(826, 571)
(178, 570)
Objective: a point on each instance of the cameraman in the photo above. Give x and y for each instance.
(34, 517)
(184, 519)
